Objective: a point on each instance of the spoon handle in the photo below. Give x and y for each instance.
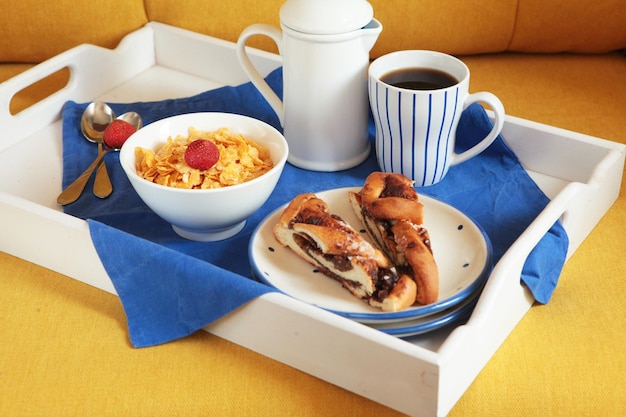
(75, 189)
(102, 187)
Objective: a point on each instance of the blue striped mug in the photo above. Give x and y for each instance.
(417, 98)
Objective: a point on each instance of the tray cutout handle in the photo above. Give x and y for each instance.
(39, 90)
(84, 67)
(34, 98)
(503, 288)
(471, 345)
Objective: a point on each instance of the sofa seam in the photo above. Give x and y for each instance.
(514, 28)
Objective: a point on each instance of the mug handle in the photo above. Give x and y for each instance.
(498, 110)
(246, 64)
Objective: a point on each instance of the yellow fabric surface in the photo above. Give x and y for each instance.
(452, 26)
(64, 347)
(578, 26)
(217, 18)
(65, 351)
(583, 93)
(34, 30)
(406, 25)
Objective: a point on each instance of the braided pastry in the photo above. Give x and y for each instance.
(327, 242)
(389, 208)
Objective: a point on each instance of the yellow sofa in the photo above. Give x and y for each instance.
(63, 345)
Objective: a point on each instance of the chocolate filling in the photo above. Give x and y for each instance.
(384, 279)
(387, 280)
(395, 187)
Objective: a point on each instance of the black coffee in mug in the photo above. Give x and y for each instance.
(419, 79)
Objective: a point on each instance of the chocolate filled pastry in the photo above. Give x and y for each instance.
(338, 251)
(390, 209)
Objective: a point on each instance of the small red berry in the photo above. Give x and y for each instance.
(202, 154)
(117, 132)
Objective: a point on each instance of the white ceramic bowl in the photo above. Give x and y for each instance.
(206, 215)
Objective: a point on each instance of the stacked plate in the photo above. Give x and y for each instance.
(461, 248)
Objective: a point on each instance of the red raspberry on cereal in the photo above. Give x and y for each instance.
(202, 154)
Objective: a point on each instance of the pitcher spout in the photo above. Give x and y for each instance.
(370, 34)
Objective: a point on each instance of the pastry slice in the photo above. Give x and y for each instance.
(324, 240)
(390, 210)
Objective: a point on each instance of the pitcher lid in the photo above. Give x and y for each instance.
(326, 17)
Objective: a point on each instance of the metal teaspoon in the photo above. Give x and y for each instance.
(94, 121)
(74, 190)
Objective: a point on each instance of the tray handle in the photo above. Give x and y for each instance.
(471, 345)
(87, 65)
(512, 262)
(498, 290)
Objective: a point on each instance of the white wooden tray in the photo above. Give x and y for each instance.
(422, 377)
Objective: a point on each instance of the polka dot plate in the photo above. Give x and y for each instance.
(461, 248)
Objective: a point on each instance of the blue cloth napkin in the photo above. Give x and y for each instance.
(170, 287)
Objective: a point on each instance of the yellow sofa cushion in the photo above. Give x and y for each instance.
(580, 92)
(34, 30)
(452, 26)
(462, 27)
(588, 26)
(222, 19)
(457, 27)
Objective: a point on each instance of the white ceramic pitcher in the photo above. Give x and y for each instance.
(325, 48)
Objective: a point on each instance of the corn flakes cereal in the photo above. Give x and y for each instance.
(240, 160)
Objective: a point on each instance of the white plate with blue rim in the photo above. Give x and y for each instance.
(461, 249)
(455, 315)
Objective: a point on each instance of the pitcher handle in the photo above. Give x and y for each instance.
(244, 60)
(498, 110)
